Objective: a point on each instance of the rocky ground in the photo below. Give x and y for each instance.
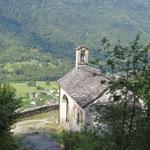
(34, 133)
(39, 141)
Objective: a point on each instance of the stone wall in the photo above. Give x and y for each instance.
(37, 110)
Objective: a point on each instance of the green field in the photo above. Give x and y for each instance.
(22, 88)
(41, 93)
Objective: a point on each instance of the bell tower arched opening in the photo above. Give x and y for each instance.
(82, 55)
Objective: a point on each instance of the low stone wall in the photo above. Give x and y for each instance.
(37, 110)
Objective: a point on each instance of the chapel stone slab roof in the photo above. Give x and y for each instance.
(85, 84)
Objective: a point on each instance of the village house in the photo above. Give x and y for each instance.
(80, 89)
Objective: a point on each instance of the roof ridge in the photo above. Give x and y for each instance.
(100, 95)
(84, 84)
(84, 68)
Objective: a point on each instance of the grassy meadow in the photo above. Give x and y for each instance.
(37, 93)
(22, 88)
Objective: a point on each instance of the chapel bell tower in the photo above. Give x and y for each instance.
(82, 54)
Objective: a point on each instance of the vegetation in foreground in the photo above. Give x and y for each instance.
(8, 104)
(125, 123)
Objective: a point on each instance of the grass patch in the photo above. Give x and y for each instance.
(23, 88)
(42, 123)
(52, 115)
(37, 93)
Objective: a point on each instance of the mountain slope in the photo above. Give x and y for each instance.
(58, 26)
(72, 22)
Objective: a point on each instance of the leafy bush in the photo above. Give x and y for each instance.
(31, 83)
(7, 142)
(39, 88)
(8, 104)
(47, 82)
(84, 141)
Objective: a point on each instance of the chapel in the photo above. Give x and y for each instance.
(80, 89)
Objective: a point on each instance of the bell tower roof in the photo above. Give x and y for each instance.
(81, 47)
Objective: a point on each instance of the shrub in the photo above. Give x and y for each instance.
(47, 82)
(83, 141)
(8, 104)
(39, 88)
(7, 142)
(31, 83)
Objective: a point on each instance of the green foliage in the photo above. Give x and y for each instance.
(124, 122)
(8, 104)
(47, 82)
(39, 88)
(127, 118)
(22, 89)
(31, 83)
(7, 142)
(16, 65)
(57, 27)
(27, 93)
(81, 141)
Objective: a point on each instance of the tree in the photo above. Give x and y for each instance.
(124, 122)
(8, 104)
(129, 67)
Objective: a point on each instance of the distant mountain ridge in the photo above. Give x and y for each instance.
(72, 22)
(58, 26)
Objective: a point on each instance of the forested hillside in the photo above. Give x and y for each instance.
(30, 27)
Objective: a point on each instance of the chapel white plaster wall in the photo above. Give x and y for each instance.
(73, 109)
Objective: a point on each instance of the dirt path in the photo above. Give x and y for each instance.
(35, 133)
(39, 142)
(27, 126)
